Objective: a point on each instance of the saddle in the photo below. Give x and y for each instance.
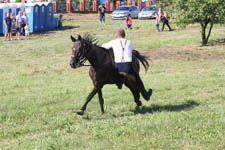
(126, 75)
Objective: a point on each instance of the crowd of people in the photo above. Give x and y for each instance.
(161, 16)
(17, 24)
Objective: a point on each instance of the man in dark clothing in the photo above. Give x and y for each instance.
(101, 10)
(8, 25)
(165, 21)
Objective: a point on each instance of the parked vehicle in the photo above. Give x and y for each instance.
(123, 11)
(148, 12)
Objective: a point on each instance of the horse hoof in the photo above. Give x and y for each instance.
(149, 95)
(80, 112)
(139, 103)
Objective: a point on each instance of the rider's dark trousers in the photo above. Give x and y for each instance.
(129, 68)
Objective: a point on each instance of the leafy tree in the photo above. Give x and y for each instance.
(205, 12)
(162, 3)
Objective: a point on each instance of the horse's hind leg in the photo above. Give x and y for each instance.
(144, 93)
(88, 99)
(101, 100)
(134, 91)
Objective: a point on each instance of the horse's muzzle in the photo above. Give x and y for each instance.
(72, 65)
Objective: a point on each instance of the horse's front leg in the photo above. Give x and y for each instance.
(88, 99)
(101, 100)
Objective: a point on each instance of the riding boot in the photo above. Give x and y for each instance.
(144, 93)
(120, 83)
(123, 77)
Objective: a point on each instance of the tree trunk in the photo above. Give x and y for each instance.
(205, 38)
(210, 29)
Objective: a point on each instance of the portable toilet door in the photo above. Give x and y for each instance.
(4, 9)
(50, 16)
(42, 17)
(20, 7)
(1, 19)
(32, 12)
(12, 9)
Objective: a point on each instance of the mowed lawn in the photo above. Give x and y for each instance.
(40, 93)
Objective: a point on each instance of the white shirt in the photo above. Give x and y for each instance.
(19, 18)
(117, 46)
(25, 19)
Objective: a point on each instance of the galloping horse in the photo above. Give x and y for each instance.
(102, 70)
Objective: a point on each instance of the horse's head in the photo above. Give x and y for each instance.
(78, 52)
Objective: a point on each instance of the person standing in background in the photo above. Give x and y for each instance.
(27, 34)
(101, 10)
(165, 21)
(24, 21)
(129, 22)
(13, 28)
(18, 25)
(157, 20)
(8, 25)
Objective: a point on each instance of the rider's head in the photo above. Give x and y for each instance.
(120, 34)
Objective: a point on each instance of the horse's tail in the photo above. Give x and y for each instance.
(142, 59)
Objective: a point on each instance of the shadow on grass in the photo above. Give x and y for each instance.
(170, 108)
(63, 28)
(67, 27)
(216, 42)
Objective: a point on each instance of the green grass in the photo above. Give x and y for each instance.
(39, 93)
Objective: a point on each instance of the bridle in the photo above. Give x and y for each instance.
(80, 63)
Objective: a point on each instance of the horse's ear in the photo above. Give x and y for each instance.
(79, 38)
(72, 38)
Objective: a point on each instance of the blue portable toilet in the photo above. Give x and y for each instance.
(20, 7)
(42, 16)
(50, 16)
(56, 23)
(4, 9)
(32, 12)
(13, 9)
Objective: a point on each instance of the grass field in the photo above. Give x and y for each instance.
(39, 92)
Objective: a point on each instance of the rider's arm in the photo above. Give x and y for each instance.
(130, 46)
(108, 45)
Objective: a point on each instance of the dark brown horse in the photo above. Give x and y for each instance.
(102, 70)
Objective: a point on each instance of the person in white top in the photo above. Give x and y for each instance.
(122, 49)
(18, 25)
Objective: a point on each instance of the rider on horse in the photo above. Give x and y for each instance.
(122, 49)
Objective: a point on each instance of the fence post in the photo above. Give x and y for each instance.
(68, 6)
(95, 5)
(82, 5)
(55, 4)
(117, 4)
(147, 3)
(111, 6)
(129, 2)
(140, 4)
(107, 5)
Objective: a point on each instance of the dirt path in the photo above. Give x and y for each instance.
(81, 17)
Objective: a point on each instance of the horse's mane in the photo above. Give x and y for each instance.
(92, 40)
